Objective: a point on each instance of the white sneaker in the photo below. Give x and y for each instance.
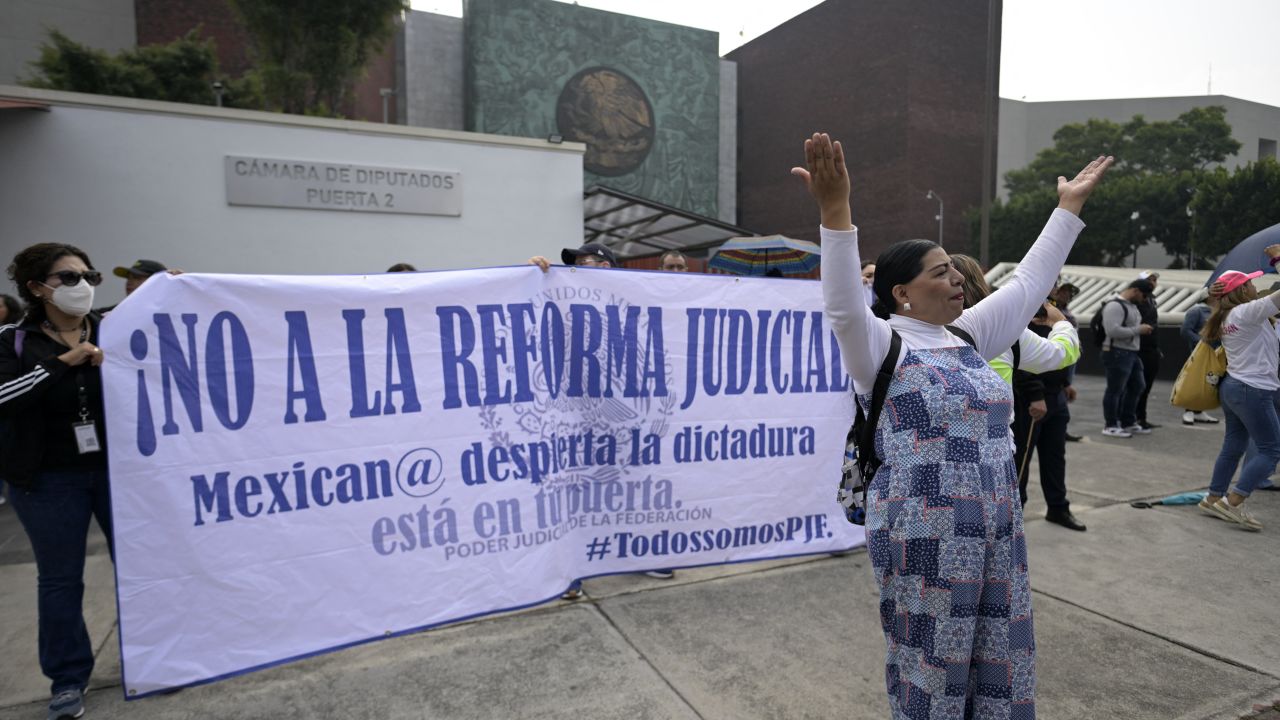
(1117, 432)
(1236, 514)
(1204, 417)
(1137, 430)
(1189, 418)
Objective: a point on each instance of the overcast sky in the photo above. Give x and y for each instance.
(1054, 50)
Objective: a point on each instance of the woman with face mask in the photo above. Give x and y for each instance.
(943, 525)
(53, 449)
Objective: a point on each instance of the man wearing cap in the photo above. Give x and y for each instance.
(137, 273)
(1123, 327)
(589, 255)
(1148, 347)
(134, 276)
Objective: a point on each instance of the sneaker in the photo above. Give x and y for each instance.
(66, 704)
(1236, 514)
(1206, 507)
(661, 574)
(1073, 438)
(1148, 425)
(1137, 430)
(1204, 417)
(1189, 418)
(1117, 432)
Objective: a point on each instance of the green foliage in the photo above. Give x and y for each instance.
(1229, 207)
(310, 52)
(181, 71)
(1195, 140)
(1145, 197)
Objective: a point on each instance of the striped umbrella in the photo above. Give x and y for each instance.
(758, 255)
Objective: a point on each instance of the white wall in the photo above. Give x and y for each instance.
(127, 179)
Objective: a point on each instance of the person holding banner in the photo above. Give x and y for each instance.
(944, 530)
(52, 450)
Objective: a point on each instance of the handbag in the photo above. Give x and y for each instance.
(1196, 388)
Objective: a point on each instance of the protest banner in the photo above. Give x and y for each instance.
(300, 464)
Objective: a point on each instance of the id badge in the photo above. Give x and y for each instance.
(86, 437)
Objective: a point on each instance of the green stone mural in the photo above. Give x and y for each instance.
(643, 95)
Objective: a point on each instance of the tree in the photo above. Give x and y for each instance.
(181, 71)
(310, 52)
(1146, 195)
(1229, 207)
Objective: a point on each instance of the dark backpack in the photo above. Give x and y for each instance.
(1095, 324)
(860, 461)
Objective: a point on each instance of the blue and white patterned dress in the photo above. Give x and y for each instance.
(944, 532)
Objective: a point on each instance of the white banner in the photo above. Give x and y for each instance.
(300, 464)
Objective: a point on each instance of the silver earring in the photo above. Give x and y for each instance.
(906, 306)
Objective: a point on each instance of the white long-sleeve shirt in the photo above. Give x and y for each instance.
(1251, 343)
(1041, 354)
(995, 322)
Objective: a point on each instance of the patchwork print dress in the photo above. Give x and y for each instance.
(944, 532)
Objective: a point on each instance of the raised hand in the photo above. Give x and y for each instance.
(1072, 193)
(827, 180)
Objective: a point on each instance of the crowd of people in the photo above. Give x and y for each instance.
(986, 375)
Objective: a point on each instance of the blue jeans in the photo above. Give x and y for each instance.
(55, 512)
(1253, 450)
(1124, 387)
(1250, 415)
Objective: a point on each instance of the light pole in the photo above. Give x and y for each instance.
(386, 93)
(935, 196)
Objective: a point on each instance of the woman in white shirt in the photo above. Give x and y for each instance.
(1242, 322)
(944, 526)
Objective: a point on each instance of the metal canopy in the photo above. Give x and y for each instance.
(635, 227)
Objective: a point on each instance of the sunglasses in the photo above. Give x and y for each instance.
(71, 278)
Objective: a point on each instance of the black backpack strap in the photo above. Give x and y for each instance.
(1016, 347)
(867, 443)
(963, 335)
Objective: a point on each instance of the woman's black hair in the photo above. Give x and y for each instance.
(899, 264)
(13, 308)
(34, 263)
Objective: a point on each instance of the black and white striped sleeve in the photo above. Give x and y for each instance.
(19, 390)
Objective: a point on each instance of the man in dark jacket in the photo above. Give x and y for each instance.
(1040, 423)
(1148, 347)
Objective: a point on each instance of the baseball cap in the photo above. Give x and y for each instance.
(570, 256)
(142, 268)
(1145, 274)
(1233, 279)
(1144, 286)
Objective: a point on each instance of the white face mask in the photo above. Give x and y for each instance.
(75, 300)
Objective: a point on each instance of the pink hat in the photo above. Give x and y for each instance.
(1233, 279)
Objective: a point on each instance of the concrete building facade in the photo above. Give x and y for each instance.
(901, 84)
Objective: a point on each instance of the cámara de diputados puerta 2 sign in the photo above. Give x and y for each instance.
(286, 183)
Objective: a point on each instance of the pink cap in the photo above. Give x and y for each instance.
(1233, 279)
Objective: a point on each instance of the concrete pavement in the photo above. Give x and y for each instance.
(1158, 613)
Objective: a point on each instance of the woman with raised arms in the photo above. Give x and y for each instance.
(944, 521)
